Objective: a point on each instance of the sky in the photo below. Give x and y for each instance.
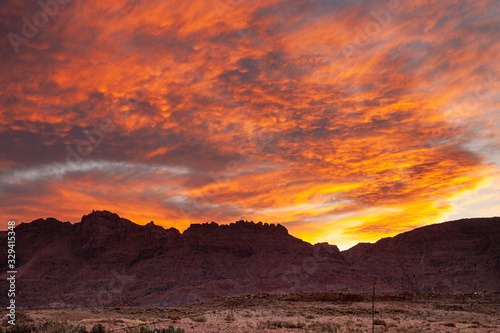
(345, 121)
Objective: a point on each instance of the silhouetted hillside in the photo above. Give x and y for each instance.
(106, 260)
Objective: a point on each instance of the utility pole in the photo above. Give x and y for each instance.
(373, 308)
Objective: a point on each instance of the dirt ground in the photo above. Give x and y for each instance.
(308, 312)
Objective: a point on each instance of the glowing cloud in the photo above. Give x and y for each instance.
(344, 120)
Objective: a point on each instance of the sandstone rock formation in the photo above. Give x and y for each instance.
(106, 260)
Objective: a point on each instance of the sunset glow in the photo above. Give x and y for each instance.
(345, 121)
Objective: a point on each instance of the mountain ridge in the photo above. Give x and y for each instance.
(105, 254)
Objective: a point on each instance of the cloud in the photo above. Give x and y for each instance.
(351, 119)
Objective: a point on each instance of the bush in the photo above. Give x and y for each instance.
(199, 319)
(20, 328)
(285, 324)
(174, 316)
(60, 327)
(98, 328)
(151, 329)
(21, 318)
(50, 326)
(334, 328)
(171, 329)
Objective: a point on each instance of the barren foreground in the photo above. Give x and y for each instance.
(308, 312)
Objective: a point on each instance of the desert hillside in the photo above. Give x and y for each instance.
(106, 260)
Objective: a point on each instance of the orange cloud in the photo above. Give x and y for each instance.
(346, 122)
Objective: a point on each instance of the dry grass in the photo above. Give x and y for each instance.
(298, 313)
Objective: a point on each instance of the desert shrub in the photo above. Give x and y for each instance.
(20, 328)
(229, 318)
(282, 324)
(247, 315)
(171, 329)
(151, 329)
(324, 327)
(98, 328)
(81, 329)
(174, 316)
(132, 330)
(21, 318)
(331, 328)
(292, 325)
(199, 319)
(52, 326)
(274, 324)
